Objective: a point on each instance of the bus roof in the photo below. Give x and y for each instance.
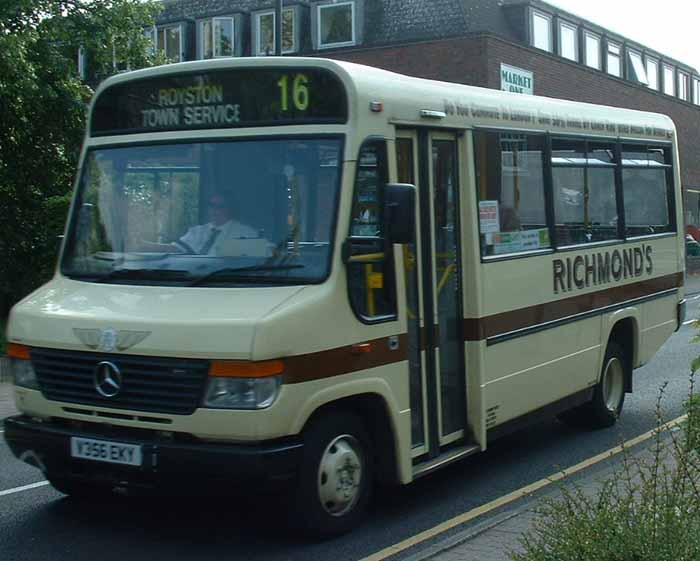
(420, 102)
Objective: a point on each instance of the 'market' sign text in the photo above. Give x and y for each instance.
(516, 80)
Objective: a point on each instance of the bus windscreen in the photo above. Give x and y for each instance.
(228, 98)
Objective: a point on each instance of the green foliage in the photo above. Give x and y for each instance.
(692, 409)
(648, 510)
(42, 110)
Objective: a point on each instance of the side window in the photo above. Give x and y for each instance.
(647, 185)
(583, 181)
(369, 259)
(510, 185)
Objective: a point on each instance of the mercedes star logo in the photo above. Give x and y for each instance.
(108, 379)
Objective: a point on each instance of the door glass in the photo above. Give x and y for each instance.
(447, 289)
(404, 157)
(371, 283)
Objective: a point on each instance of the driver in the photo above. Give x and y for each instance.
(207, 239)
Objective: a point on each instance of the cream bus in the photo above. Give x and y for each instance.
(324, 275)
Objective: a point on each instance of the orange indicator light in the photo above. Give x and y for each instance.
(18, 351)
(361, 348)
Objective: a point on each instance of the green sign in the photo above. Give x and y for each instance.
(516, 80)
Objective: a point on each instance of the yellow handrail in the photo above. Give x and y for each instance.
(367, 258)
(445, 276)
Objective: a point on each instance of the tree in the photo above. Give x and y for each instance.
(43, 105)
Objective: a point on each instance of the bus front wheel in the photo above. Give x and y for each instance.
(336, 476)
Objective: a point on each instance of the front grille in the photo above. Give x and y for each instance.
(158, 385)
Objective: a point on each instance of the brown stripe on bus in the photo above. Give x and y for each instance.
(344, 360)
(477, 329)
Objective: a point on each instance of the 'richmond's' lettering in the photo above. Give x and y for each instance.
(601, 268)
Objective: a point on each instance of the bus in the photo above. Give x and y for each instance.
(324, 276)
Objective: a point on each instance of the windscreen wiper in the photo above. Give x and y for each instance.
(143, 274)
(119, 258)
(235, 273)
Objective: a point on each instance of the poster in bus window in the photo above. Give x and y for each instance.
(488, 217)
(506, 242)
(532, 240)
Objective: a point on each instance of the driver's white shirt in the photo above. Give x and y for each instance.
(196, 237)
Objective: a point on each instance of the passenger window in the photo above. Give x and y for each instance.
(369, 259)
(585, 201)
(647, 185)
(510, 182)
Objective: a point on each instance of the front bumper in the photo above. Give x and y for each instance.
(166, 462)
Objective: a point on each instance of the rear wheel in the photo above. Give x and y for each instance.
(609, 395)
(336, 476)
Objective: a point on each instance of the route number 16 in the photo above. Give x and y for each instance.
(300, 92)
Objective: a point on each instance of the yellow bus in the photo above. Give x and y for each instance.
(325, 276)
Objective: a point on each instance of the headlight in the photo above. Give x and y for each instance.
(23, 374)
(242, 393)
(21, 367)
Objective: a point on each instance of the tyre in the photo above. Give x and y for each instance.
(336, 476)
(609, 394)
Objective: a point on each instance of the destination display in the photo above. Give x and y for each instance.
(244, 97)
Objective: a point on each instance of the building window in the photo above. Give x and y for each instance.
(265, 32)
(696, 91)
(336, 25)
(542, 31)
(150, 35)
(669, 80)
(653, 73)
(637, 72)
(169, 40)
(82, 63)
(568, 41)
(613, 60)
(216, 38)
(592, 46)
(683, 82)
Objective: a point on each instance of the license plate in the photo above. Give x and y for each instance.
(105, 451)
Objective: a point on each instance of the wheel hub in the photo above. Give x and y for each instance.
(340, 475)
(613, 384)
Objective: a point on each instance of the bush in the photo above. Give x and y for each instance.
(649, 510)
(42, 117)
(692, 409)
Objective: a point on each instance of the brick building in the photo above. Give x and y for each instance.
(528, 45)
